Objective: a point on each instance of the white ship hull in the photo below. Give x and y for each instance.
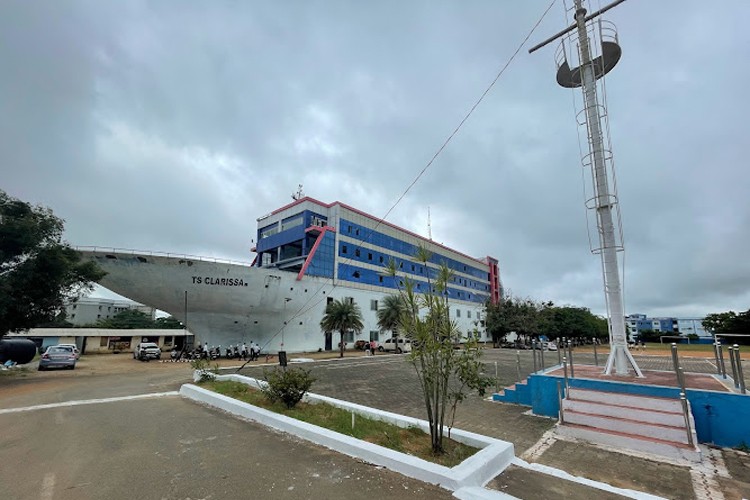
(221, 303)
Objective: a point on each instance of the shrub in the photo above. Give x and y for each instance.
(204, 370)
(287, 385)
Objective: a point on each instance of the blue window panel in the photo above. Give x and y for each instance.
(346, 273)
(382, 240)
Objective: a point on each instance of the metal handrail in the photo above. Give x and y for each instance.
(560, 401)
(130, 251)
(686, 414)
(740, 375)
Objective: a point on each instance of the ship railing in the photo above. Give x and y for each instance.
(131, 251)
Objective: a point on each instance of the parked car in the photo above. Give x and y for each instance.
(360, 345)
(404, 345)
(147, 350)
(58, 356)
(75, 349)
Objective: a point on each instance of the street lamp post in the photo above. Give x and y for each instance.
(283, 327)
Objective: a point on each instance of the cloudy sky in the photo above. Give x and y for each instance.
(172, 125)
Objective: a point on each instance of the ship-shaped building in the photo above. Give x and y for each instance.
(308, 253)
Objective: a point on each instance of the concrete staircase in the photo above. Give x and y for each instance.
(641, 423)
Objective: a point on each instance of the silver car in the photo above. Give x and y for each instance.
(58, 356)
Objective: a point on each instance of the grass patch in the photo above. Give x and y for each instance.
(410, 440)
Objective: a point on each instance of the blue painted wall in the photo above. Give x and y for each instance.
(720, 417)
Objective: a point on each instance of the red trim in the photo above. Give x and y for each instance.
(372, 217)
(314, 249)
(254, 260)
(494, 282)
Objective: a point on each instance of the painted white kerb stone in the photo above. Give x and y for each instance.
(477, 470)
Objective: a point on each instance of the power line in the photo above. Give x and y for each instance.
(426, 167)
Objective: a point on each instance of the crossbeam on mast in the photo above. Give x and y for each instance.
(575, 25)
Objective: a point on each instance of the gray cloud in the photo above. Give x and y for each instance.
(173, 126)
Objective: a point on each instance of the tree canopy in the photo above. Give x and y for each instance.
(527, 317)
(728, 322)
(38, 270)
(131, 319)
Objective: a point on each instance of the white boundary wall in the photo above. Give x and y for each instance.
(495, 455)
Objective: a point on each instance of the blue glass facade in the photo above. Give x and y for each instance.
(286, 244)
(386, 242)
(322, 261)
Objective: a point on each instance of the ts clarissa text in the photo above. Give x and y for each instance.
(208, 280)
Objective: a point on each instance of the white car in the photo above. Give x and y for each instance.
(74, 347)
(147, 350)
(404, 345)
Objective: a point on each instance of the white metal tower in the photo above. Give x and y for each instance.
(593, 62)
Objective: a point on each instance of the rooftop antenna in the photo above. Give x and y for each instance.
(299, 194)
(593, 118)
(429, 224)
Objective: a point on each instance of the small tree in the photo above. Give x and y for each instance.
(342, 315)
(445, 374)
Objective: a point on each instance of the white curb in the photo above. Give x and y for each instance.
(477, 470)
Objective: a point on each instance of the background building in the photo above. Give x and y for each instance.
(666, 326)
(88, 310)
(105, 340)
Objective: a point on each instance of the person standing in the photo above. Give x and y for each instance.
(243, 351)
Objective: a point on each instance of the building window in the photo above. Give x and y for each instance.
(374, 335)
(373, 305)
(458, 313)
(349, 229)
(329, 300)
(356, 232)
(103, 341)
(381, 259)
(400, 265)
(413, 268)
(343, 249)
(350, 300)
(380, 279)
(468, 314)
(356, 274)
(369, 256)
(349, 336)
(168, 340)
(356, 252)
(98, 316)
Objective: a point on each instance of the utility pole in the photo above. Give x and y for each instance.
(599, 159)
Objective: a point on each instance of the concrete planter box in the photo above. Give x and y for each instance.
(494, 455)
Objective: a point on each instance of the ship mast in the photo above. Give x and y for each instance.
(599, 159)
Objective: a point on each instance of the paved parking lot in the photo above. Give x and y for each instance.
(170, 448)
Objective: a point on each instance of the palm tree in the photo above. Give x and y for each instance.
(391, 312)
(342, 315)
